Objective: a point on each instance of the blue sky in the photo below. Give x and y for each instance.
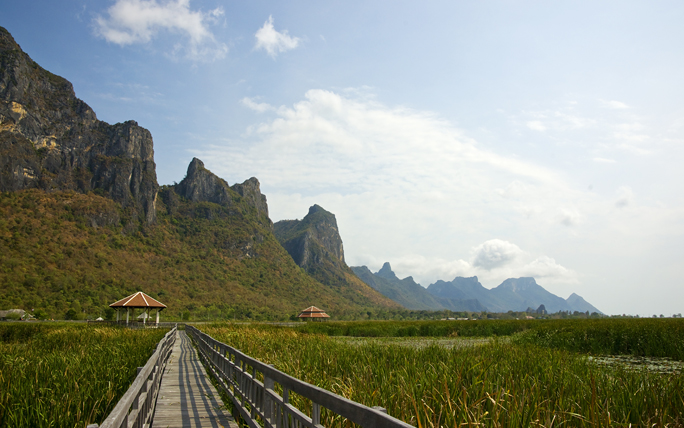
(450, 138)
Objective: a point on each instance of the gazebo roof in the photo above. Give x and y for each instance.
(138, 300)
(313, 312)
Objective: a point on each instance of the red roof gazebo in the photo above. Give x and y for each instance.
(138, 300)
(313, 313)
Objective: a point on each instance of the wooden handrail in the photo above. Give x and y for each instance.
(136, 407)
(255, 399)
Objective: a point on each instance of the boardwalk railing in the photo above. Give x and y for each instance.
(136, 407)
(256, 400)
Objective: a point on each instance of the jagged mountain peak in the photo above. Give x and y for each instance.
(202, 185)
(313, 239)
(386, 272)
(315, 208)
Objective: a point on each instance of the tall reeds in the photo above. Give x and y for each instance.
(67, 375)
(499, 384)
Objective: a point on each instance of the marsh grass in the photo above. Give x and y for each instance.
(67, 375)
(497, 384)
(646, 337)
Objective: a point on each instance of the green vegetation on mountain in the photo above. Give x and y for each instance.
(203, 260)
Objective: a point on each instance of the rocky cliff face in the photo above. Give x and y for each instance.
(51, 140)
(312, 240)
(315, 245)
(202, 185)
(241, 208)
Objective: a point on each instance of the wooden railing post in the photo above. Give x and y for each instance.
(268, 387)
(316, 414)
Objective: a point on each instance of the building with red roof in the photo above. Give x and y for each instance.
(313, 313)
(138, 300)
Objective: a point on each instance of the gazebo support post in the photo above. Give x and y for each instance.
(117, 315)
(127, 312)
(157, 317)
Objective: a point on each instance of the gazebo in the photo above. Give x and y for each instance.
(313, 313)
(138, 300)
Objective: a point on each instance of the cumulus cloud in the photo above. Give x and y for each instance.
(495, 253)
(272, 41)
(139, 21)
(545, 267)
(258, 107)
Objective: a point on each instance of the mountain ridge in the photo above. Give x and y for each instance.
(513, 294)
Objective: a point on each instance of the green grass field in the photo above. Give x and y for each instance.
(541, 376)
(67, 375)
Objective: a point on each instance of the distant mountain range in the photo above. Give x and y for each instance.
(467, 294)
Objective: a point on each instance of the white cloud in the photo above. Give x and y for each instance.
(536, 125)
(617, 105)
(258, 107)
(272, 41)
(495, 253)
(546, 268)
(139, 21)
(554, 121)
(571, 121)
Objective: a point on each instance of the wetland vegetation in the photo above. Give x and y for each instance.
(539, 374)
(67, 374)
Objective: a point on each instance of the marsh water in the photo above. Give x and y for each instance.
(630, 362)
(651, 364)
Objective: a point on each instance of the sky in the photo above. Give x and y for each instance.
(450, 138)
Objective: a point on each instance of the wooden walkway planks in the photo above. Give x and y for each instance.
(187, 398)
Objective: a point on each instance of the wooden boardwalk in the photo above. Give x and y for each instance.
(187, 398)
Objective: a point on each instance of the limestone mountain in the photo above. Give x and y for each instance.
(51, 140)
(201, 185)
(410, 294)
(313, 240)
(315, 244)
